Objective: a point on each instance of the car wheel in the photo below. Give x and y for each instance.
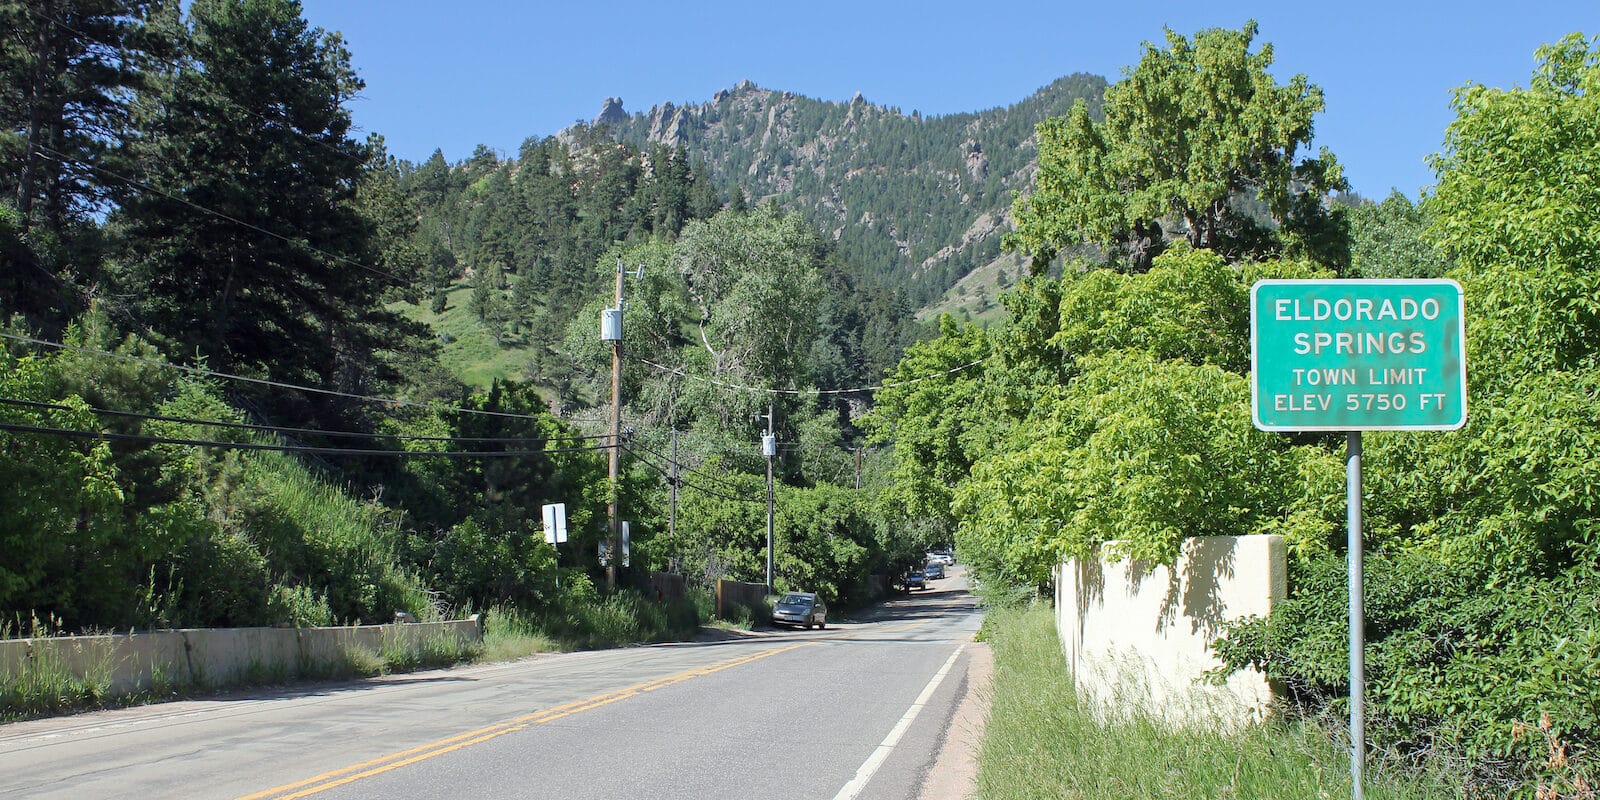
(822, 626)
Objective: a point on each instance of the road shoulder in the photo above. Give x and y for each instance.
(954, 775)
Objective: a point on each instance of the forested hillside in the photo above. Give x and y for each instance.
(222, 403)
(915, 201)
(516, 241)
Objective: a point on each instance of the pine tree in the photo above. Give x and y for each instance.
(246, 247)
(67, 72)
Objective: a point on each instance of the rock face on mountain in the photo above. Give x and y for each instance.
(611, 113)
(917, 201)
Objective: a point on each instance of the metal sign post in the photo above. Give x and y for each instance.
(1358, 628)
(1353, 356)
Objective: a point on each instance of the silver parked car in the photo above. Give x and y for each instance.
(800, 608)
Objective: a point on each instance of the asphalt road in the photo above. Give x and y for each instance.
(858, 710)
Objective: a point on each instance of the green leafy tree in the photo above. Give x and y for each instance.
(1517, 195)
(1482, 573)
(754, 282)
(1192, 137)
(935, 410)
(1390, 240)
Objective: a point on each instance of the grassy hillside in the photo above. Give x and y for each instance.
(467, 349)
(976, 297)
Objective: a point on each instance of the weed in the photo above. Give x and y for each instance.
(1042, 741)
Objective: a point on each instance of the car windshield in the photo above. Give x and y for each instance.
(794, 600)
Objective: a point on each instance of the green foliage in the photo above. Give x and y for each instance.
(1193, 135)
(1042, 742)
(1140, 451)
(1115, 407)
(932, 409)
(1453, 666)
(617, 619)
(1481, 611)
(66, 75)
(144, 535)
(1390, 240)
(752, 279)
(900, 193)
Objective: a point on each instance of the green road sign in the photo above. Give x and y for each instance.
(1353, 355)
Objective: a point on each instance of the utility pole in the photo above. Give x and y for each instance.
(769, 448)
(858, 467)
(611, 330)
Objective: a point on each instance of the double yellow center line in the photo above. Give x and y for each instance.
(378, 766)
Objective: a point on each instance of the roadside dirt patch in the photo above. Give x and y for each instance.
(955, 771)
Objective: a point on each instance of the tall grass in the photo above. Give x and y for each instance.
(511, 633)
(591, 623)
(350, 543)
(45, 683)
(1042, 742)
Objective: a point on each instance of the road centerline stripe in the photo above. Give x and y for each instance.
(382, 764)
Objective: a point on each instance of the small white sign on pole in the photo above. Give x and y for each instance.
(626, 550)
(555, 523)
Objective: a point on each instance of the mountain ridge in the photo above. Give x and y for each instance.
(919, 201)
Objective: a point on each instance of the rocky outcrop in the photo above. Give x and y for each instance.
(927, 197)
(611, 113)
(667, 124)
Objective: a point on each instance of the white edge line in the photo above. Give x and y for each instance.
(881, 754)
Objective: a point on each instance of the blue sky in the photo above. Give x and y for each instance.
(454, 75)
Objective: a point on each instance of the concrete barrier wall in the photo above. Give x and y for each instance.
(219, 657)
(1137, 636)
(733, 594)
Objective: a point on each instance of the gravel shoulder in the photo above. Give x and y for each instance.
(954, 775)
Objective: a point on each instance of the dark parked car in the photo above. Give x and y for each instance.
(800, 608)
(915, 581)
(935, 569)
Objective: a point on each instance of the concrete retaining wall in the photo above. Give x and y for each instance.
(1138, 636)
(218, 657)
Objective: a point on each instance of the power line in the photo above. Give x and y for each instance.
(286, 429)
(682, 466)
(56, 155)
(263, 381)
(764, 390)
(290, 448)
(688, 484)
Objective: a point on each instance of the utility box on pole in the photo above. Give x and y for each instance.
(611, 325)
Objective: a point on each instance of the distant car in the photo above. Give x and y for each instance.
(915, 580)
(943, 556)
(800, 608)
(935, 569)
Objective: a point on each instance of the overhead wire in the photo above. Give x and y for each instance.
(797, 392)
(122, 51)
(290, 448)
(263, 381)
(56, 155)
(10, 401)
(684, 483)
(669, 459)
